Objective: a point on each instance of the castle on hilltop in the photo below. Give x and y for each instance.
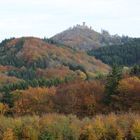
(83, 26)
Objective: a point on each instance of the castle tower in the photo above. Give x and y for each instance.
(84, 23)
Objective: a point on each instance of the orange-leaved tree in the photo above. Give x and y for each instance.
(33, 101)
(128, 97)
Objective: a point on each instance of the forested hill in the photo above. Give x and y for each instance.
(28, 53)
(127, 54)
(82, 37)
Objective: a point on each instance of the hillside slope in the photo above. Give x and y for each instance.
(35, 53)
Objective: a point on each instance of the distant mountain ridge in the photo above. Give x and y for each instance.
(82, 37)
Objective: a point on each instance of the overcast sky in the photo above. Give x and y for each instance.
(47, 17)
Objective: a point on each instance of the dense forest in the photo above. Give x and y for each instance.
(46, 109)
(126, 54)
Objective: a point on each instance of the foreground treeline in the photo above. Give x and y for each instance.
(118, 92)
(60, 127)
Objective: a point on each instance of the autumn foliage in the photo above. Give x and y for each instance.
(51, 92)
(33, 101)
(128, 97)
(82, 98)
(60, 127)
